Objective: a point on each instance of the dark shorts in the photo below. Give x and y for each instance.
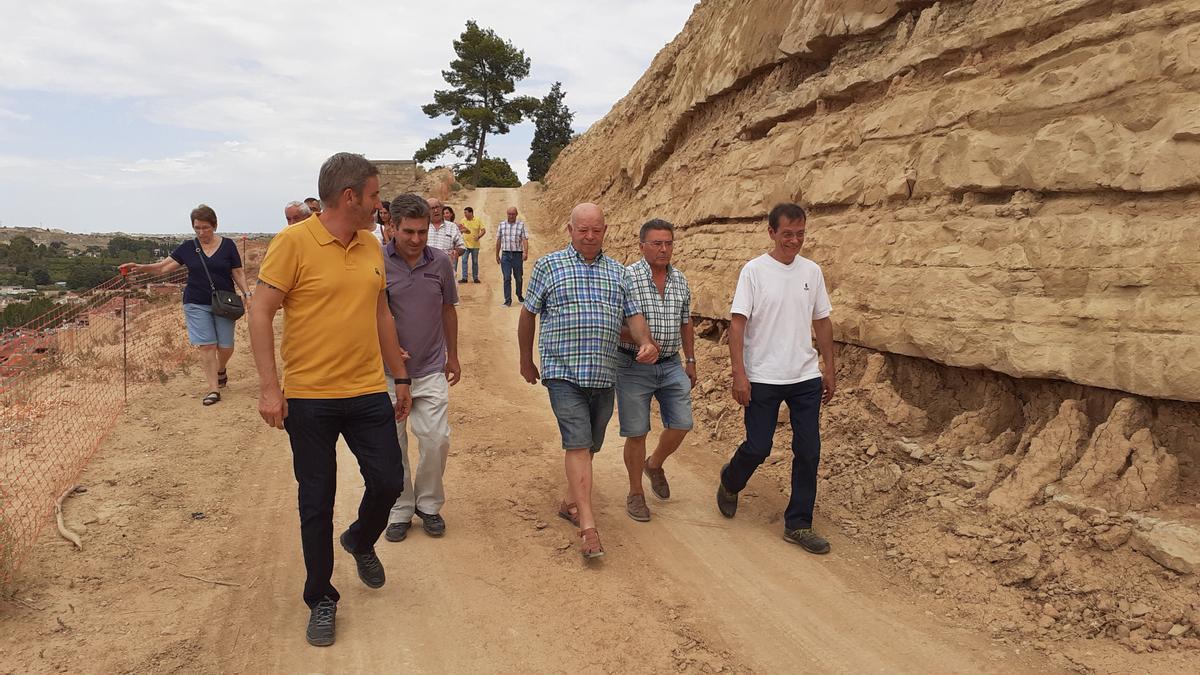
(582, 413)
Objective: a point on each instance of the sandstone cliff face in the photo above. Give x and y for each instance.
(1001, 184)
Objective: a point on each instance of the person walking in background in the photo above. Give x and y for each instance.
(444, 234)
(295, 212)
(383, 218)
(472, 230)
(512, 250)
(212, 334)
(779, 305)
(421, 294)
(327, 274)
(449, 217)
(582, 297)
(314, 205)
(662, 293)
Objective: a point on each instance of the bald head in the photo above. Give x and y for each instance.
(587, 229)
(587, 212)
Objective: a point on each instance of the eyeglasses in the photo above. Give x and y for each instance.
(659, 244)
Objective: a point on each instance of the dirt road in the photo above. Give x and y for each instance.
(506, 588)
(160, 588)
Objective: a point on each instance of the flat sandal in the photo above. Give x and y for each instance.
(589, 544)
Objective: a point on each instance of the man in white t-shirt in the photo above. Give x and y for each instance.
(779, 305)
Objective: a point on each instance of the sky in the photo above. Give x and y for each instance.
(123, 116)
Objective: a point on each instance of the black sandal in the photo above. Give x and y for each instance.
(211, 398)
(222, 378)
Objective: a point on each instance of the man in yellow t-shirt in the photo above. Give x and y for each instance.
(327, 274)
(472, 231)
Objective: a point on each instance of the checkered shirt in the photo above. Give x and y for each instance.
(665, 313)
(446, 238)
(510, 235)
(581, 306)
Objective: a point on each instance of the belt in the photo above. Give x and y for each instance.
(663, 359)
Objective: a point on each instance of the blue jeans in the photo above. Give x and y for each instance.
(804, 411)
(582, 413)
(368, 423)
(637, 383)
(512, 264)
(473, 254)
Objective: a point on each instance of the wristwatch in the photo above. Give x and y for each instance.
(403, 380)
(690, 359)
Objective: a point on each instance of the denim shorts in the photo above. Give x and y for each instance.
(582, 413)
(206, 328)
(637, 383)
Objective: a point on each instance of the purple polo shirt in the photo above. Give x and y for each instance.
(415, 296)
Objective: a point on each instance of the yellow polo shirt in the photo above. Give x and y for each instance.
(330, 338)
(471, 236)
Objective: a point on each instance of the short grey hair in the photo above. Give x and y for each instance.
(341, 171)
(304, 210)
(408, 205)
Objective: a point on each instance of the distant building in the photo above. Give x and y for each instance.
(396, 176)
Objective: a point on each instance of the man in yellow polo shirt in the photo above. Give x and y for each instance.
(327, 274)
(472, 231)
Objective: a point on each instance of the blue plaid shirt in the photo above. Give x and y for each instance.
(582, 306)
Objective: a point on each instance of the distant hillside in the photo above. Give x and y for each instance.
(81, 241)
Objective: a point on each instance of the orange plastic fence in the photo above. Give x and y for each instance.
(65, 378)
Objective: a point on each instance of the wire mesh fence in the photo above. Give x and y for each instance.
(65, 378)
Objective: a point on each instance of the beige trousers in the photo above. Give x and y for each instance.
(429, 421)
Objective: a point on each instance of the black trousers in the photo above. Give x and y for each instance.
(369, 427)
(804, 410)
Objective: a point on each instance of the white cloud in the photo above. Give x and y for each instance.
(283, 85)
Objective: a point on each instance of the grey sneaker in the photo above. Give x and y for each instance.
(807, 539)
(397, 531)
(370, 568)
(635, 506)
(321, 623)
(658, 483)
(433, 524)
(726, 499)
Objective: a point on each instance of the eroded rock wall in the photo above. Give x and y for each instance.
(1002, 184)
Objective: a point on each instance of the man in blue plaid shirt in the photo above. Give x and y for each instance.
(583, 296)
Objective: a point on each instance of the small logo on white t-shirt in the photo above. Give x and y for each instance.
(806, 285)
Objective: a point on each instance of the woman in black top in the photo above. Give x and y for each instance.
(211, 333)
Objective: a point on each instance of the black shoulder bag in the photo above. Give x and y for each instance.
(225, 304)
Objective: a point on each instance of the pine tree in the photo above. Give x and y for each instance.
(480, 101)
(552, 132)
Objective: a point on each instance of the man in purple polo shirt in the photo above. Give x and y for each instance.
(421, 295)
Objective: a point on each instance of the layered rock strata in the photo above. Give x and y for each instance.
(1000, 184)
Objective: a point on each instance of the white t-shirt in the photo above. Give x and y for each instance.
(780, 302)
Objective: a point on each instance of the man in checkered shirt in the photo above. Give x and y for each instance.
(582, 297)
(443, 234)
(512, 250)
(662, 292)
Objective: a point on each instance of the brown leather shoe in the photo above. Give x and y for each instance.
(635, 506)
(658, 483)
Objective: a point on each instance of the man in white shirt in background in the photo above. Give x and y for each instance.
(779, 305)
(443, 234)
